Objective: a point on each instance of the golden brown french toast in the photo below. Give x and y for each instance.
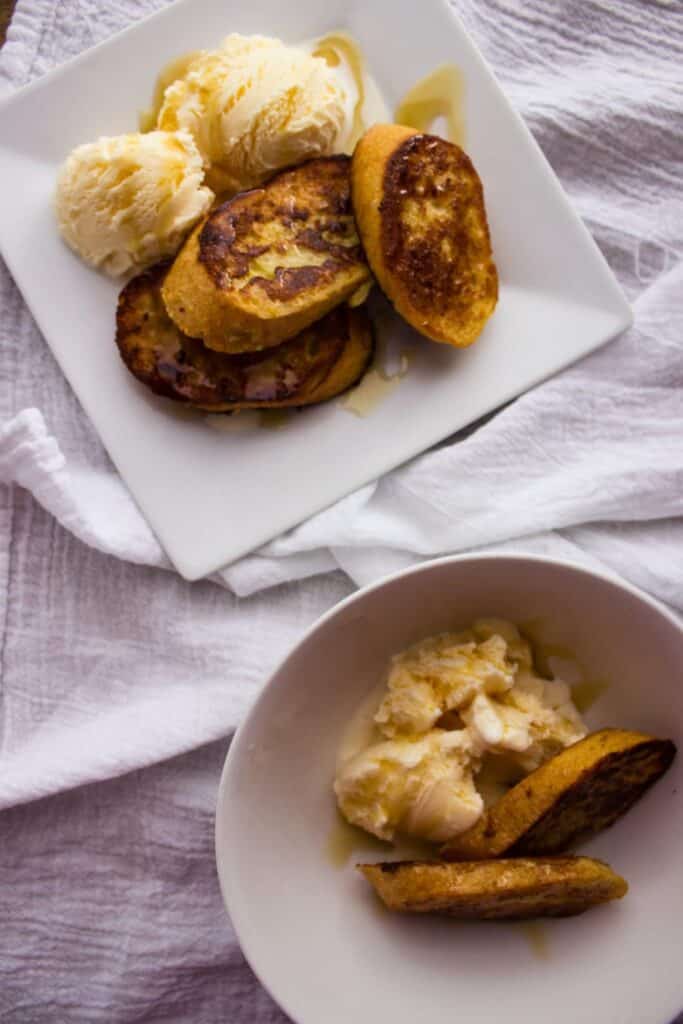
(321, 362)
(271, 261)
(419, 207)
(579, 792)
(496, 889)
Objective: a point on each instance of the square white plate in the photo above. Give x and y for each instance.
(212, 496)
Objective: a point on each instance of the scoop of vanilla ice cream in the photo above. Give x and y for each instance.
(254, 106)
(533, 721)
(420, 786)
(126, 201)
(453, 703)
(442, 673)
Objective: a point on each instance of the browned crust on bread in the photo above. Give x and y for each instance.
(432, 283)
(318, 364)
(497, 889)
(420, 210)
(581, 791)
(270, 261)
(227, 249)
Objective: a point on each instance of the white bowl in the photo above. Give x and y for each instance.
(315, 934)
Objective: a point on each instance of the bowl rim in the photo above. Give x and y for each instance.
(226, 881)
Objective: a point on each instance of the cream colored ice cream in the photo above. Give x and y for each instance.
(453, 705)
(254, 106)
(124, 202)
(440, 674)
(422, 786)
(530, 723)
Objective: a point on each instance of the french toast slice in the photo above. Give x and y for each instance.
(496, 889)
(419, 206)
(575, 794)
(271, 261)
(321, 362)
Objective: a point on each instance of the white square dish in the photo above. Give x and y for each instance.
(212, 496)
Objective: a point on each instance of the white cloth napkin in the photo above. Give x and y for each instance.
(109, 902)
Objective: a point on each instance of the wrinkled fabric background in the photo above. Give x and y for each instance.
(119, 682)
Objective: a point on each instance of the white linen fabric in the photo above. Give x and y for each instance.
(108, 663)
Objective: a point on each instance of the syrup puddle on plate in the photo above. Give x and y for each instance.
(374, 388)
(437, 96)
(389, 366)
(346, 843)
(276, 419)
(536, 934)
(344, 840)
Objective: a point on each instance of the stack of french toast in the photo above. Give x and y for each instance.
(264, 305)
